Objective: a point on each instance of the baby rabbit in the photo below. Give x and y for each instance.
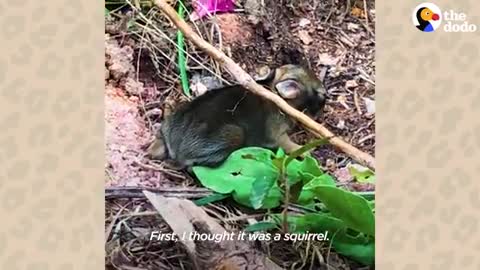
(208, 129)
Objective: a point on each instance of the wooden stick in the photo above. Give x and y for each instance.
(249, 83)
(137, 192)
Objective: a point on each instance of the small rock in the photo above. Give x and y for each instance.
(330, 164)
(352, 26)
(370, 105)
(254, 8)
(305, 37)
(303, 22)
(341, 124)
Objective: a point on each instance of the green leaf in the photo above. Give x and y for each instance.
(322, 180)
(372, 204)
(310, 165)
(354, 210)
(238, 173)
(280, 153)
(316, 223)
(211, 198)
(261, 226)
(360, 252)
(306, 148)
(360, 248)
(107, 12)
(272, 200)
(368, 195)
(362, 174)
(260, 189)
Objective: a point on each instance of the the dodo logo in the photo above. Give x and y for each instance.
(427, 17)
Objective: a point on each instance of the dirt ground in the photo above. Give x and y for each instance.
(334, 38)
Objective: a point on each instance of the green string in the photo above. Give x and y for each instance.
(181, 55)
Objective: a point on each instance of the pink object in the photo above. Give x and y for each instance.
(204, 7)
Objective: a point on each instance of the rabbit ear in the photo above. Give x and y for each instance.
(288, 89)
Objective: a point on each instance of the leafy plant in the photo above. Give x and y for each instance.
(261, 179)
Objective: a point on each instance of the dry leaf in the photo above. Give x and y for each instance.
(305, 37)
(357, 12)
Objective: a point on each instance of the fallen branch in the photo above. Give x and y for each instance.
(249, 83)
(137, 192)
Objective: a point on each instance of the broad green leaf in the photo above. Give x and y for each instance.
(361, 174)
(372, 204)
(307, 196)
(238, 173)
(272, 200)
(368, 195)
(322, 180)
(360, 252)
(240, 169)
(316, 223)
(210, 199)
(260, 189)
(354, 210)
(359, 248)
(310, 165)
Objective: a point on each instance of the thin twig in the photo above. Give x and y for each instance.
(366, 16)
(357, 104)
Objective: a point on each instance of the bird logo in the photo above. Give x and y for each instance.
(427, 17)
